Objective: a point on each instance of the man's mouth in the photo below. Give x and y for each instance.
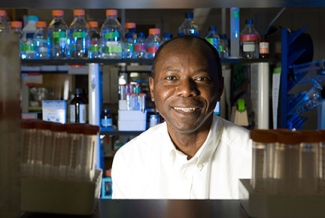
(185, 109)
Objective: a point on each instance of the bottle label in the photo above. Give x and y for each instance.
(78, 113)
(130, 47)
(112, 35)
(93, 48)
(249, 37)
(221, 48)
(152, 49)
(139, 47)
(28, 48)
(79, 35)
(264, 47)
(106, 122)
(59, 37)
(249, 46)
(113, 47)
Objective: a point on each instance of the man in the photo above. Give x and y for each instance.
(194, 154)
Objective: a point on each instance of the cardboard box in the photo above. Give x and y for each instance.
(54, 110)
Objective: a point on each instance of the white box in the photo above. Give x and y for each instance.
(132, 115)
(132, 125)
(54, 110)
(122, 105)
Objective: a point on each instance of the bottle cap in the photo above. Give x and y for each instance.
(58, 127)
(223, 36)
(16, 24)
(111, 12)
(249, 21)
(27, 124)
(289, 137)
(263, 135)
(168, 35)
(189, 15)
(212, 28)
(74, 128)
(141, 35)
(128, 35)
(57, 13)
(78, 91)
(310, 136)
(88, 129)
(154, 31)
(78, 12)
(93, 24)
(32, 18)
(3, 13)
(40, 24)
(41, 124)
(130, 25)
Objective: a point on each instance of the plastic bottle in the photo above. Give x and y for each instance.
(4, 24)
(249, 38)
(40, 41)
(130, 27)
(263, 47)
(106, 118)
(140, 46)
(153, 42)
(188, 27)
(213, 37)
(58, 36)
(28, 37)
(166, 37)
(93, 40)
(16, 28)
(128, 46)
(111, 36)
(78, 32)
(224, 46)
(77, 108)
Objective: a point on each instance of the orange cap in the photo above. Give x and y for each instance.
(40, 24)
(3, 13)
(154, 31)
(130, 25)
(93, 24)
(16, 24)
(57, 13)
(78, 12)
(111, 12)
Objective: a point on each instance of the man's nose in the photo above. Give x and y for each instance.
(187, 87)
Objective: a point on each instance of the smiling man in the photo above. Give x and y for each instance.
(194, 154)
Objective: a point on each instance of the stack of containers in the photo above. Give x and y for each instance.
(288, 162)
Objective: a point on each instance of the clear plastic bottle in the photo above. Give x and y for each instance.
(40, 41)
(93, 40)
(78, 108)
(4, 24)
(29, 30)
(78, 32)
(140, 46)
(213, 37)
(16, 28)
(166, 37)
(153, 42)
(131, 27)
(58, 36)
(249, 38)
(224, 46)
(128, 46)
(188, 27)
(112, 45)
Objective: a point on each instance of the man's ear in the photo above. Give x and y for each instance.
(151, 87)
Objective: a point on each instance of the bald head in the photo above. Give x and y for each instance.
(196, 44)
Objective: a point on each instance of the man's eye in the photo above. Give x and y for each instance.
(170, 77)
(203, 79)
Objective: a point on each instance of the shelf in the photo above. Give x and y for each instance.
(115, 132)
(128, 61)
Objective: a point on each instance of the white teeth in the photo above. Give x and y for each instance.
(184, 109)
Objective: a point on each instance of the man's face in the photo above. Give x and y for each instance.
(185, 87)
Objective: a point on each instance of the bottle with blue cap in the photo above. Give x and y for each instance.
(166, 37)
(28, 48)
(128, 46)
(249, 38)
(213, 38)
(140, 46)
(189, 27)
